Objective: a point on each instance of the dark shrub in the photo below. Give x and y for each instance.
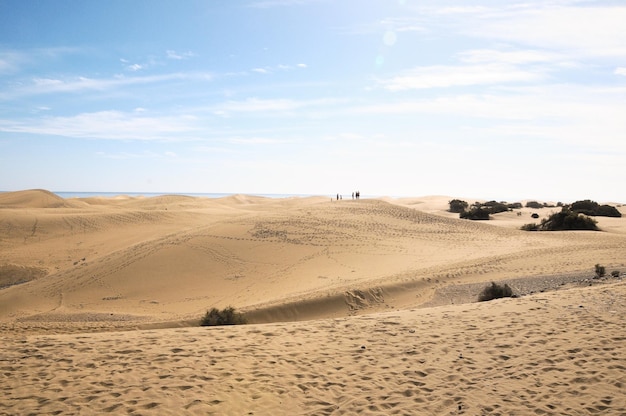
(495, 207)
(515, 205)
(562, 221)
(475, 214)
(592, 208)
(615, 273)
(600, 271)
(457, 206)
(495, 291)
(568, 220)
(227, 316)
(587, 207)
(530, 227)
(534, 215)
(608, 211)
(533, 204)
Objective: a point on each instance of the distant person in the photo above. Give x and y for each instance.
(337, 197)
(352, 195)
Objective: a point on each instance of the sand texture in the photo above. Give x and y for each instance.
(356, 307)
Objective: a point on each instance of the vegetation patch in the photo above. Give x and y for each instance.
(227, 316)
(564, 220)
(592, 208)
(495, 291)
(600, 271)
(480, 210)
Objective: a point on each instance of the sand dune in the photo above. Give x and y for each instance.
(169, 258)
(553, 353)
(391, 275)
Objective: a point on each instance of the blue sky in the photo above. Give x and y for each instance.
(501, 100)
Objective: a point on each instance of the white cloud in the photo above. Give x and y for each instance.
(6, 65)
(441, 76)
(401, 24)
(114, 125)
(278, 105)
(512, 57)
(258, 140)
(620, 71)
(179, 56)
(40, 86)
(580, 115)
(580, 31)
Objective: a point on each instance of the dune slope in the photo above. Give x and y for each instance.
(170, 258)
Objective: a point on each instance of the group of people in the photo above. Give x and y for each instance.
(355, 195)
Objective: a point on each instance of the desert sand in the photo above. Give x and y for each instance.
(355, 307)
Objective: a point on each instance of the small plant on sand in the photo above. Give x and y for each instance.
(615, 273)
(495, 291)
(600, 271)
(227, 316)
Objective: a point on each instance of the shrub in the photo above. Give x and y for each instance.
(475, 214)
(227, 316)
(515, 205)
(608, 211)
(600, 271)
(592, 208)
(533, 204)
(457, 206)
(566, 220)
(495, 207)
(530, 227)
(587, 207)
(495, 291)
(615, 273)
(534, 215)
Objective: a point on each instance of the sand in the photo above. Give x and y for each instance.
(356, 307)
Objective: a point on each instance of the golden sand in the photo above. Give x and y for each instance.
(357, 307)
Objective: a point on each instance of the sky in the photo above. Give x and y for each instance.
(495, 99)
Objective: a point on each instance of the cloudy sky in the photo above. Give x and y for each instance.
(495, 99)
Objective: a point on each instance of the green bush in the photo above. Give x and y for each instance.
(227, 316)
(495, 291)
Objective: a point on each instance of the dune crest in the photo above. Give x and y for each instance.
(34, 198)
